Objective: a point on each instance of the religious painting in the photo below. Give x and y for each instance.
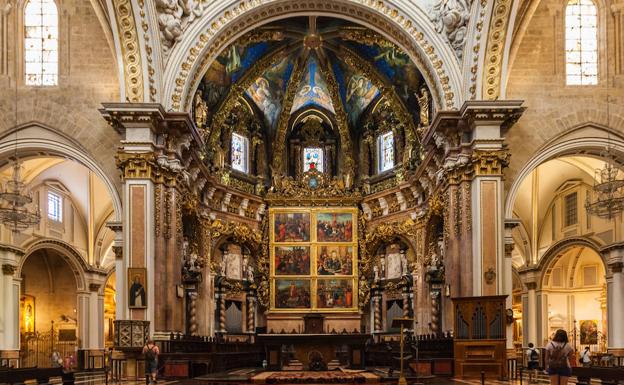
(292, 260)
(27, 311)
(589, 332)
(334, 294)
(137, 288)
(356, 91)
(334, 260)
(334, 227)
(312, 89)
(292, 227)
(292, 294)
(267, 91)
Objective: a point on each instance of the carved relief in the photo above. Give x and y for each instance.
(173, 18)
(133, 72)
(451, 19)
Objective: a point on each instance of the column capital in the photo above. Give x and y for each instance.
(8, 269)
(613, 253)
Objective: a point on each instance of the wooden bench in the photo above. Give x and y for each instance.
(607, 375)
(41, 375)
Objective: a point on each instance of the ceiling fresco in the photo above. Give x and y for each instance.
(320, 45)
(312, 89)
(267, 91)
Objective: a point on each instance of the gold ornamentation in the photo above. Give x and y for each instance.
(133, 71)
(490, 162)
(287, 191)
(367, 37)
(240, 233)
(284, 117)
(240, 17)
(492, 72)
(168, 198)
(157, 209)
(476, 49)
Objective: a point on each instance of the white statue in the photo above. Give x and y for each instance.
(383, 266)
(250, 274)
(450, 18)
(403, 262)
(376, 273)
(223, 265)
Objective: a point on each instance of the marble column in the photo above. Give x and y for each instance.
(614, 256)
(9, 303)
(488, 122)
(508, 279)
(530, 307)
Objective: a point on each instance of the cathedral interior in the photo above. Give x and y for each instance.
(328, 191)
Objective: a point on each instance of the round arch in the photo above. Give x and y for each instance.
(554, 252)
(66, 251)
(35, 139)
(572, 142)
(409, 28)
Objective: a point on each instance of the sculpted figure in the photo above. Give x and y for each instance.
(451, 19)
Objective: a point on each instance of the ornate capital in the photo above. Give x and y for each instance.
(8, 269)
(94, 287)
(490, 162)
(118, 251)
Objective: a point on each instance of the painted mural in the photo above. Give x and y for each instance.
(356, 91)
(312, 89)
(268, 90)
(397, 67)
(226, 70)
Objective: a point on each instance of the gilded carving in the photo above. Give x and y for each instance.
(133, 71)
(240, 233)
(157, 209)
(490, 162)
(8, 269)
(451, 18)
(492, 72)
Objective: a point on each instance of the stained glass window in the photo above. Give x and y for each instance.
(41, 43)
(312, 158)
(55, 207)
(385, 149)
(240, 149)
(581, 43)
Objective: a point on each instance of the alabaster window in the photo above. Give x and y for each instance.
(385, 151)
(55, 207)
(571, 210)
(41, 43)
(240, 152)
(312, 158)
(581, 35)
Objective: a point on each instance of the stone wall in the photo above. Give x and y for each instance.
(537, 75)
(88, 77)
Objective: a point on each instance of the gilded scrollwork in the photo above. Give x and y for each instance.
(240, 232)
(133, 73)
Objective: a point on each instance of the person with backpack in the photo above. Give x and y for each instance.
(559, 356)
(532, 362)
(151, 352)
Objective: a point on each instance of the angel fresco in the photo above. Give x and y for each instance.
(360, 92)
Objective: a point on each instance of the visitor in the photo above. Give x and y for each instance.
(151, 352)
(559, 357)
(585, 359)
(533, 356)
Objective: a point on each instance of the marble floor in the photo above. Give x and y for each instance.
(228, 379)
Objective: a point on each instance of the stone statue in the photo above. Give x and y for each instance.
(250, 274)
(403, 257)
(375, 273)
(174, 16)
(223, 264)
(450, 18)
(383, 266)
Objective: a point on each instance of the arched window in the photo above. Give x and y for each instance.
(581, 42)
(41, 43)
(240, 152)
(385, 151)
(312, 159)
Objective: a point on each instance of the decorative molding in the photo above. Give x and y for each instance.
(384, 17)
(476, 49)
(149, 50)
(451, 20)
(240, 233)
(94, 286)
(8, 269)
(490, 162)
(130, 50)
(492, 72)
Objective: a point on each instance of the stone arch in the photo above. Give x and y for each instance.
(588, 139)
(38, 139)
(67, 252)
(554, 252)
(409, 28)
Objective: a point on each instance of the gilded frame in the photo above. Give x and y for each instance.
(314, 248)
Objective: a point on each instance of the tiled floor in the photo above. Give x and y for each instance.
(227, 379)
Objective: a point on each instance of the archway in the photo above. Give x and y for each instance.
(574, 287)
(48, 308)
